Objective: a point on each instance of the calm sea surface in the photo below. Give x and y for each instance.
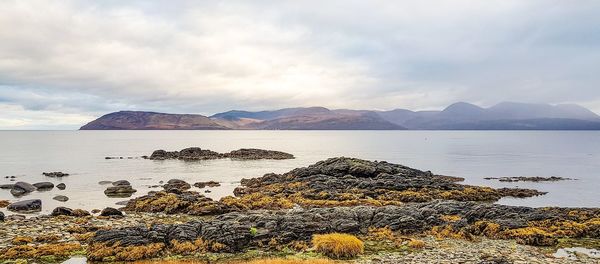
(473, 155)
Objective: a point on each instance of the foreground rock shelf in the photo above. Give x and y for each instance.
(372, 200)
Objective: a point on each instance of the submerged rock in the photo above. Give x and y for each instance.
(56, 174)
(42, 186)
(207, 184)
(61, 186)
(27, 206)
(6, 186)
(61, 198)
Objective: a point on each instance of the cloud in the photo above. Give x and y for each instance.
(87, 58)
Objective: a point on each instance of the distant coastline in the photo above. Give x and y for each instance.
(458, 116)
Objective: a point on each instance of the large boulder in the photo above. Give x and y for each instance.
(42, 186)
(21, 188)
(27, 206)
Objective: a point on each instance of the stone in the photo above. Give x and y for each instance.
(61, 198)
(62, 211)
(207, 184)
(119, 191)
(196, 153)
(21, 188)
(109, 211)
(176, 186)
(121, 183)
(42, 186)
(61, 186)
(1, 217)
(56, 174)
(27, 206)
(104, 182)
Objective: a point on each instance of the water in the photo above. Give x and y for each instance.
(470, 154)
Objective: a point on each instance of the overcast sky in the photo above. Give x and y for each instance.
(64, 63)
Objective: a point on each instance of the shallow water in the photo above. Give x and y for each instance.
(470, 154)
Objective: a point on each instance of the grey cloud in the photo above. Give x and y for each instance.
(208, 56)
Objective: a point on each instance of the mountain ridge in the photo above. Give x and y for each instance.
(457, 116)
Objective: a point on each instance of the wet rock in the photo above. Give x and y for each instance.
(62, 211)
(27, 206)
(121, 183)
(1, 217)
(529, 179)
(21, 188)
(176, 186)
(195, 153)
(56, 174)
(188, 202)
(109, 211)
(207, 184)
(80, 213)
(119, 191)
(15, 217)
(43, 186)
(255, 154)
(61, 198)
(6, 186)
(61, 186)
(105, 182)
(95, 211)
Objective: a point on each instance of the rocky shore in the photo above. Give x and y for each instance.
(402, 215)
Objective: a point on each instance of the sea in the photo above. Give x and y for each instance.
(473, 155)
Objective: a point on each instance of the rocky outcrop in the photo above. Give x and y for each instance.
(137, 120)
(27, 206)
(241, 230)
(196, 153)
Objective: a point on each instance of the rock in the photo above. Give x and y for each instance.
(529, 179)
(61, 186)
(80, 213)
(62, 211)
(196, 153)
(42, 186)
(176, 186)
(255, 154)
(207, 191)
(105, 182)
(21, 188)
(27, 206)
(95, 211)
(15, 217)
(1, 217)
(4, 203)
(207, 184)
(109, 211)
(121, 183)
(61, 198)
(57, 174)
(6, 186)
(119, 191)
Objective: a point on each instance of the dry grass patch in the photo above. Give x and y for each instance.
(338, 245)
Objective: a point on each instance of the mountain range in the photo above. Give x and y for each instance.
(458, 116)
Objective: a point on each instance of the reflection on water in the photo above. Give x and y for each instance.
(470, 154)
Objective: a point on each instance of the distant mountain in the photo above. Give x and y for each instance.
(458, 116)
(135, 120)
(507, 115)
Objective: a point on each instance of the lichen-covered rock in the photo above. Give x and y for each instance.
(186, 202)
(207, 184)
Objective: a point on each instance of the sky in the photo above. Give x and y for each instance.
(64, 63)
